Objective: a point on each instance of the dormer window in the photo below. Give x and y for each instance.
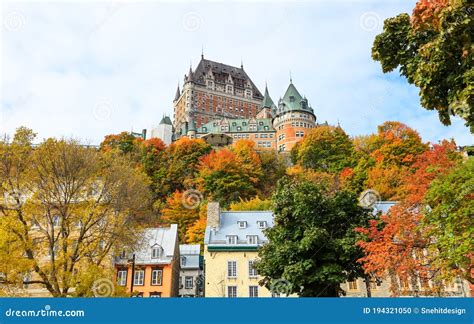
(244, 124)
(183, 261)
(156, 252)
(262, 224)
(232, 239)
(252, 239)
(292, 98)
(204, 129)
(242, 224)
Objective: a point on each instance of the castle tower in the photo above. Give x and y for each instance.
(293, 118)
(268, 107)
(164, 130)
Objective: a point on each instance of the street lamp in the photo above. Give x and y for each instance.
(132, 263)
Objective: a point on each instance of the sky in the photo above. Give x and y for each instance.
(88, 69)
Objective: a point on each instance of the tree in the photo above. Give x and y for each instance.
(251, 204)
(224, 176)
(433, 49)
(195, 233)
(178, 211)
(65, 208)
(273, 169)
(179, 167)
(124, 143)
(395, 244)
(312, 244)
(449, 219)
(324, 148)
(394, 151)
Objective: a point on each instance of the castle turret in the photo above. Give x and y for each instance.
(163, 131)
(292, 119)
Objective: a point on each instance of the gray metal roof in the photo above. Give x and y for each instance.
(384, 206)
(165, 238)
(229, 225)
(189, 249)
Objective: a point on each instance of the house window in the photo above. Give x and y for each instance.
(253, 291)
(122, 277)
(188, 282)
(252, 271)
(155, 252)
(262, 224)
(155, 294)
(231, 269)
(183, 261)
(139, 277)
(156, 277)
(252, 239)
(352, 285)
(231, 291)
(242, 224)
(232, 239)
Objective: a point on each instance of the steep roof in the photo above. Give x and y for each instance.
(166, 120)
(221, 74)
(293, 101)
(165, 238)
(267, 101)
(178, 94)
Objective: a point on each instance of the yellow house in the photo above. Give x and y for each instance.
(231, 242)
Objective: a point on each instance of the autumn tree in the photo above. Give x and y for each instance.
(433, 50)
(195, 233)
(180, 210)
(449, 220)
(324, 148)
(251, 204)
(65, 208)
(395, 244)
(273, 169)
(312, 243)
(226, 176)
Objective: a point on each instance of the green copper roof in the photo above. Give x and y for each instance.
(166, 120)
(237, 126)
(267, 101)
(293, 101)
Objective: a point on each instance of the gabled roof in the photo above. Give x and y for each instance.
(221, 73)
(165, 238)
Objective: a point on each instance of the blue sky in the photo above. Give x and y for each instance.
(87, 69)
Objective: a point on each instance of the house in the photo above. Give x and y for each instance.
(153, 265)
(190, 274)
(231, 242)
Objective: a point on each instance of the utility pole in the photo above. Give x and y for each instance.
(132, 261)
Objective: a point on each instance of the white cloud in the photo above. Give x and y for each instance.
(67, 59)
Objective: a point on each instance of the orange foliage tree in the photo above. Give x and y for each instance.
(395, 244)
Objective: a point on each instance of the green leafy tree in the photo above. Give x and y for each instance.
(312, 244)
(450, 219)
(433, 50)
(251, 204)
(324, 148)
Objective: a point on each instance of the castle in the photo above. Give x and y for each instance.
(221, 104)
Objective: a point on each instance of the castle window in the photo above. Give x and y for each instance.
(204, 129)
(244, 124)
(234, 124)
(260, 123)
(239, 128)
(266, 127)
(292, 98)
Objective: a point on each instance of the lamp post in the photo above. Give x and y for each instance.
(132, 262)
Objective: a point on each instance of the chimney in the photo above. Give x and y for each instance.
(213, 214)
